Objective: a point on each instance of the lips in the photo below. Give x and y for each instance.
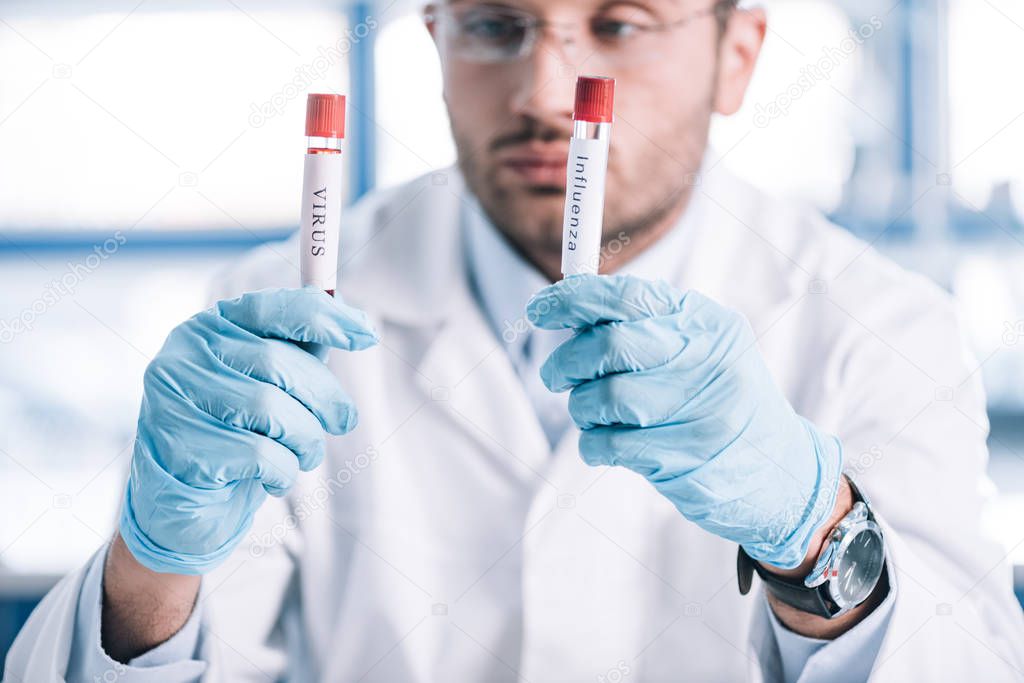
(537, 164)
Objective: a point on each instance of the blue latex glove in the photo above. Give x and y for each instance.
(232, 410)
(672, 386)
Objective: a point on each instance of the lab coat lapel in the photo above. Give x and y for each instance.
(419, 267)
(467, 369)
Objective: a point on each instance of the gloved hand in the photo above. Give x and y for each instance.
(233, 408)
(672, 386)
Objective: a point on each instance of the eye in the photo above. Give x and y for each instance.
(492, 27)
(614, 29)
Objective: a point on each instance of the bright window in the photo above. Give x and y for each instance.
(986, 101)
(186, 119)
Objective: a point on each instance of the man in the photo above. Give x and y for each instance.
(559, 493)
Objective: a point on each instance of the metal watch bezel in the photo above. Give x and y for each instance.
(826, 569)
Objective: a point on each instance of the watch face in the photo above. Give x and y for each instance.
(860, 567)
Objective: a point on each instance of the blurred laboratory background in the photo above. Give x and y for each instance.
(145, 144)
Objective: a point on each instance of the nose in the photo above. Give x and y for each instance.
(545, 88)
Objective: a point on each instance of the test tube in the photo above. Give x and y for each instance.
(321, 191)
(585, 175)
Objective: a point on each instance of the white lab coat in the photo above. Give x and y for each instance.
(458, 547)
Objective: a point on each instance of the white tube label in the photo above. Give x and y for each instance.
(321, 220)
(584, 206)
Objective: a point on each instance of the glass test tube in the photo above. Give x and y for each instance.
(320, 224)
(585, 175)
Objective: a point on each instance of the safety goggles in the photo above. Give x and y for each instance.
(493, 34)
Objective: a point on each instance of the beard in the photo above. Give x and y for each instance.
(529, 217)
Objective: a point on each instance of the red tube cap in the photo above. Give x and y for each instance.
(325, 116)
(594, 97)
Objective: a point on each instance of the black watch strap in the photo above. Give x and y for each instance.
(792, 592)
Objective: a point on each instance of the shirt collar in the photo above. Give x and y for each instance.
(503, 280)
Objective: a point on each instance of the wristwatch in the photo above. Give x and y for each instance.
(846, 573)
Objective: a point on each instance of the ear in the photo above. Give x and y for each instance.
(738, 51)
(429, 21)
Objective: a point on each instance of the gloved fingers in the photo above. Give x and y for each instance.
(301, 375)
(261, 408)
(635, 399)
(266, 460)
(319, 351)
(302, 315)
(209, 452)
(585, 300)
(619, 446)
(611, 348)
(276, 466)
(652, 452)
